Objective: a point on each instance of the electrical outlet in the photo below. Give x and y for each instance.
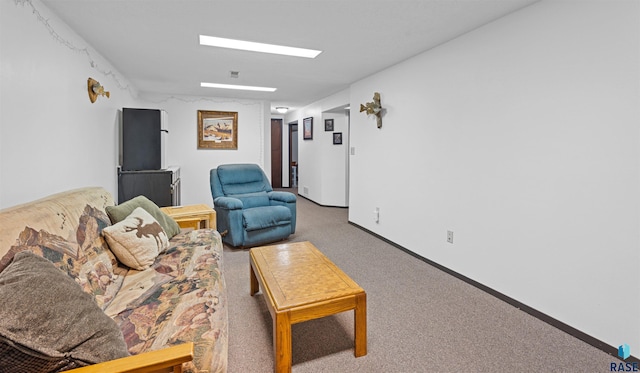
(450, 236)
(376, 215)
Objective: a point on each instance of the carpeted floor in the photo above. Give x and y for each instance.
(419, 319)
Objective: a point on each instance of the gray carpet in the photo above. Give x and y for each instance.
(419, 318)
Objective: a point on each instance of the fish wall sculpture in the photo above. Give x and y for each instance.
(95, 89)
(373, 108)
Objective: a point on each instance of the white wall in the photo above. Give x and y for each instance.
(52, 138)
(322, 166)
(334, 184)
(253, 140)
(522, 138)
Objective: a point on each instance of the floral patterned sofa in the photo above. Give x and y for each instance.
(181, 298)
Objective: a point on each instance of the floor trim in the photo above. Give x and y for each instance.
(319, 204)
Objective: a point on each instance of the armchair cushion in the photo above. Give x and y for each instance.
(242, 179)
(47, 323)
(265, 217)
(251, 200)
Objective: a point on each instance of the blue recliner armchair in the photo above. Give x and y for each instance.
(248, 209)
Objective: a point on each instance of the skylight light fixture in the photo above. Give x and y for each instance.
(240, 87)
(257, 47)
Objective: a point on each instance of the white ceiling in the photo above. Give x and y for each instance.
(154, 43)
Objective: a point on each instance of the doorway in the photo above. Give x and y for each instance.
(276, 153)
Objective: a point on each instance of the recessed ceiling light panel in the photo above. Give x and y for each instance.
(240, 87)
(257, 47)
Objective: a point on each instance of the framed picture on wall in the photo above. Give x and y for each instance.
(337, 138)
(307, 128)
(217, 129)
(328, 124)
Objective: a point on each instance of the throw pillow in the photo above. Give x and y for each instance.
(121, 211)
(137, 240)
(47, 323)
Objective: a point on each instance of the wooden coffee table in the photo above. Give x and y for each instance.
(299, 283)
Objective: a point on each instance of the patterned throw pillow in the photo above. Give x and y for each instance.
(137, 240)
(48, 324)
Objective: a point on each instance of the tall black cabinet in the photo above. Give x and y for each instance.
(143, 140)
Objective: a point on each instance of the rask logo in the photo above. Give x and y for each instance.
(624, 352)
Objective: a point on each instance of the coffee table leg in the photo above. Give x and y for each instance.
(254, 280)
(360, 325)
(282, 342)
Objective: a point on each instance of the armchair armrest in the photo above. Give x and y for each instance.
(228, 203)
(166, 360)
(286, 197)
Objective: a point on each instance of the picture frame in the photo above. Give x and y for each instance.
(307, 128)
(217, 129)
(328, 124)
(337, 138)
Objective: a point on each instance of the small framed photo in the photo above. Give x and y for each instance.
(328, 124)
(307, 128)
(337, 138)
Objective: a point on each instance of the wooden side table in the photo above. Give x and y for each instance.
(192, 216)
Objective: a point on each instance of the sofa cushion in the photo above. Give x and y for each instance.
(181, 298)
(251, 200)
(121, 211)
(66, 228)
(137, 240)
(265, 217)
(47, 323)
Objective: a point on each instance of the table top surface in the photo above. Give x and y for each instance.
(187, 210)
(298, 274)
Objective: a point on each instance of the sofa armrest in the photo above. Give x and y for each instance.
(166, 360)
(228, 203)
(286, 197)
